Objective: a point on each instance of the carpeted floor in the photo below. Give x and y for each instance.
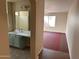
(52, 54)
(55, 41)
(19, 53)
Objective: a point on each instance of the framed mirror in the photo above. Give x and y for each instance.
(22, 20)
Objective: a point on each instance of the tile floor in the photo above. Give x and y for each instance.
(19, 53)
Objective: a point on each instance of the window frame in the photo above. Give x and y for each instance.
(49, 21)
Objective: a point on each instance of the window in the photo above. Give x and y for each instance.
(49, 21)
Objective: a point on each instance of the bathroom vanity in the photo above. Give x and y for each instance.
(19, 39)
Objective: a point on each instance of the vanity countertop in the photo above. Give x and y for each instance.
(26, 33)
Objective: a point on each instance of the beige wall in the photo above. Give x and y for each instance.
(73, 30)
(20, 5)
(39, 25)
(18, 21)
(36, 26)
(4, 48)
(61, 21)
(10, 16)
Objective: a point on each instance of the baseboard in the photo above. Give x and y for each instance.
(4, 57)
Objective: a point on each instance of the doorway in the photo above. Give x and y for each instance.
(18, 28)
(54, 37)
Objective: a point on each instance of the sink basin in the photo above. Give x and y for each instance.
(26, 33)
(12, 33)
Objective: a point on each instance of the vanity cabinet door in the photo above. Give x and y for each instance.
(17, 41)
(23, 42)
(11, 39)
(20, 42)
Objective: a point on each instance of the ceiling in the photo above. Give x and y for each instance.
(54, 5)
(57, 5)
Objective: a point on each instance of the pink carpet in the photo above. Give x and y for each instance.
(55, 41)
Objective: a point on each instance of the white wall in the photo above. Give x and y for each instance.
(61, 21)
(73, 30)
